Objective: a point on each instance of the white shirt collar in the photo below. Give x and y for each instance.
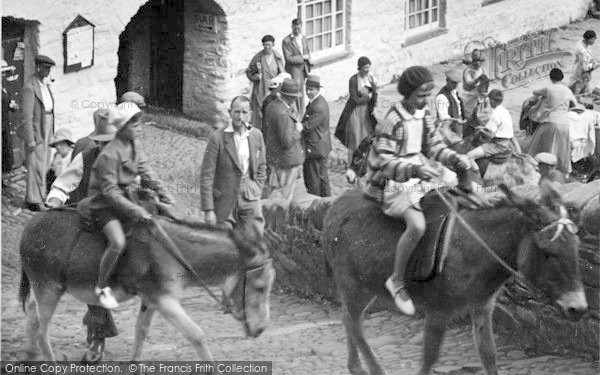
(419, 113)
(243, 133)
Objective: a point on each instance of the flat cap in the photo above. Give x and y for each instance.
(132, 97)
(546, 158)
(454, 75)
(44, 60)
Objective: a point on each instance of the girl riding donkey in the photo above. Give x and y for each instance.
(398, 171)
(112, 176)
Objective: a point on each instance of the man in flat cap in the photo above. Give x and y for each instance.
(263, 67)
(547, 168)
(447, 102)
(399, 172)
(317, 139)
(37, 128)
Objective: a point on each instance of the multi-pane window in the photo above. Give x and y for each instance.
(422, 14)
(324, 25)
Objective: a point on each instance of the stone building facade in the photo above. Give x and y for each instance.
(190, 55)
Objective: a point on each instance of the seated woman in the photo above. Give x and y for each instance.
(500, 126)
(113, 174)
(399, 169)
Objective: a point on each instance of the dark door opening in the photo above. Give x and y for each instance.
(167, 48)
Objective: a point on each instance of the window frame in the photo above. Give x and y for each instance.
(430, 26)
(334, 49)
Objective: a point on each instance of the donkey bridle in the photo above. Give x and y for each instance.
(561, 223)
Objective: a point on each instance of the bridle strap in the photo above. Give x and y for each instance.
(474, 234)
(170, 246)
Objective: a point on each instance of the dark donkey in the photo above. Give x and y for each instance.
(539, 239)
(56, 258)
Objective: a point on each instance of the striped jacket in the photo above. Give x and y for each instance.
(386, 162)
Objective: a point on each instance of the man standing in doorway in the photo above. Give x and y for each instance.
(234, 171)
(317, 139)
(297, 59)
(37, 128)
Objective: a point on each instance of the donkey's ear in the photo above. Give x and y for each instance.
(550, 197)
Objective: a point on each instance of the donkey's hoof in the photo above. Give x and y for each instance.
(357, 370)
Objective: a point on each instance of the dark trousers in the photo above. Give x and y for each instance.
(316, 177)
(100, 323)
(7, 156)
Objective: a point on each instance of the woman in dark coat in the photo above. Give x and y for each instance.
(357, 121)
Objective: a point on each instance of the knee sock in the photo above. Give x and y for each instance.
(107, 264)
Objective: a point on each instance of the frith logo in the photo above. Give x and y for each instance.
(521, 60)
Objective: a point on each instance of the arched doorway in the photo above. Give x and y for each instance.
(151, 54)
(174, 53)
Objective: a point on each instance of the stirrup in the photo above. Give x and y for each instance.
(106, 298)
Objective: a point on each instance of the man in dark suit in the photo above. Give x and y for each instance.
(37, 128)
(285, 153)
(234, 171)
(297, 59)
(317, 139)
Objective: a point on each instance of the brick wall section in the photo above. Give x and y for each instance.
(294, 240)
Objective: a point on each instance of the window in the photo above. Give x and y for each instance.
(422, 15)
(324, 26)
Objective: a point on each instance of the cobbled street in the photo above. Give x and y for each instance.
(304, 336)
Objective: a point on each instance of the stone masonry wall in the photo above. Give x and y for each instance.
(77, 95)
(294, 239)
(215, 65)
(377, 31)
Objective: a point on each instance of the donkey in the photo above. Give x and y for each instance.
(56, 258)
(538, 238)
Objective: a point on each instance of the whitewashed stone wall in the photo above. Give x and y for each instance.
(215, 65)
(377, 31)
(77, 95)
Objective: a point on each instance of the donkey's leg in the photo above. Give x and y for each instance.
(355, 302)
(481, 319)
(435, 327)
(46, 298)
(32, 348)
(172, 310)
(142, 326)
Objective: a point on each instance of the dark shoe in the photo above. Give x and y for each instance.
(36, 207)
(400, 295)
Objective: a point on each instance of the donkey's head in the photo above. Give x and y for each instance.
(246, 293)
(549, 255)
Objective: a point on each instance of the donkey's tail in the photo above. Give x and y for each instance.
(328, 270)
(24, 289)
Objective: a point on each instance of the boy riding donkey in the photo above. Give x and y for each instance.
(112, 176)
(399, 174)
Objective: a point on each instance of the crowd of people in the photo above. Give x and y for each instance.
(282, 132)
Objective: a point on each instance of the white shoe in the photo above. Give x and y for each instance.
(106, 298)
(401, 297)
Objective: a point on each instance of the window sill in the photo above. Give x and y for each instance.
(331, 59)
(418, 38)
(489, 2)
